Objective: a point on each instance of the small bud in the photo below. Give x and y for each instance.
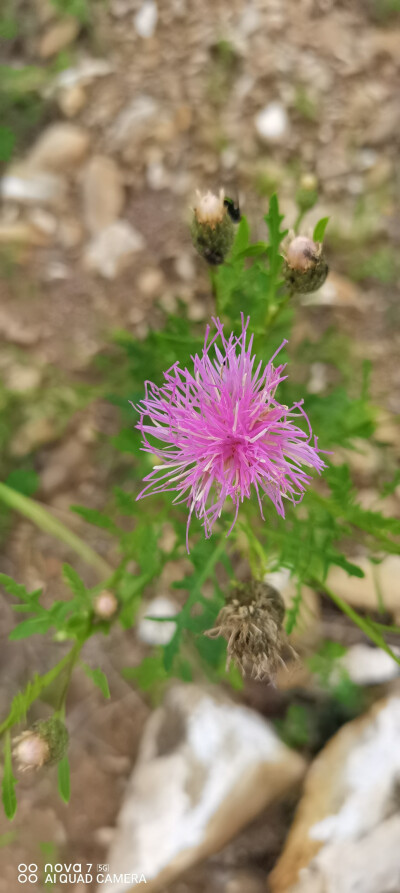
(251, 622)
(45, 743)
(305, 268)
(212, 229)
(105, 605)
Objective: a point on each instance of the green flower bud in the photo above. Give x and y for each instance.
(45, 743)
(212, 229)
(251, 622)
(305, 268)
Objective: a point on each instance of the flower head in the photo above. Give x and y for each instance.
(305, 268)
(222, 432)
(251, 622)
(210, 208)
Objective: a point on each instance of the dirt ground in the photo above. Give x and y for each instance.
(177, 111)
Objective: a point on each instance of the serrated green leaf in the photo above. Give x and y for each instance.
(319, 230)
(23, 700)
(17, 589)
(64, 783)
(241, 240)
(8, 782)
(98, 677)
(73, 580)
(32, 627)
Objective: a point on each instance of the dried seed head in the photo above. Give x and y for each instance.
(45, 743)
(305, 268)
(212, 229)
(105, 605)
(251, 622)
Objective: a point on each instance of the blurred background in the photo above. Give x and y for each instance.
(112, 114)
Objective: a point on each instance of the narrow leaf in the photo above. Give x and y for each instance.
(73, 580)
(9, 782)
(319, 231)
(32, 627)
(64, 785)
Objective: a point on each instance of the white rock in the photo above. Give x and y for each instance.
(206, 767)
(184, 267)
(369, 666)
(103, 193)
(20, 379)
(145, 20)
(28, 186)
(154, 632)
(111, 251)
(345, 837)
(60, 146)
(272, 123)
(132, 119)
(82, 74)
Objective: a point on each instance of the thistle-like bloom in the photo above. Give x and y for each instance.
(224, 432)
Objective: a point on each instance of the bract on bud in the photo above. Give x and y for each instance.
(45, 743)
(212, 229)
(305, 268)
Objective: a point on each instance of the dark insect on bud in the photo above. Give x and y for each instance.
(305, 268)
(45, 743)
(252, 623)
(233, 210)
(212, 229)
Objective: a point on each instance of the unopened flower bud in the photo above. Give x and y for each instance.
(251, 622)
(212, 229)
(45, 743)
(305, 268)
(105, 605)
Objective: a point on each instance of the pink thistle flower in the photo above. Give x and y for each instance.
(225, 432)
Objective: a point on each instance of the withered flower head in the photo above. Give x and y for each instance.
(251, 622)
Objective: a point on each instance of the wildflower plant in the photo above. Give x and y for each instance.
(222, 444)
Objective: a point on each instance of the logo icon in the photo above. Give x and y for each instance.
(27, 874)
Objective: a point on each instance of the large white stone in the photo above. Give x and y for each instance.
(346, 833)
(272, 123)
(111, 250)
(206, 767)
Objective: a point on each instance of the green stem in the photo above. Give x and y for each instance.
(73, 657)
(45, 520)
(367, 628)
(275, 311)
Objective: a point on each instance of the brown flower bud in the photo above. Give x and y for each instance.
(251, 622)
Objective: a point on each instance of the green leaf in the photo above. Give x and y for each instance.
(31, 627)
(24, 481)
(7, 142)
(73, 580)
(17, 589)
(64, 784)
(99, 519)
(319, 231)
(23, 699)
(150, 672)
(241, 240)
(9, 782)
(98, 677)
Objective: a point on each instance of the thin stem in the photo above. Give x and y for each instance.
(366, 627)
(45, 520)
(274, 313)
(73, 657)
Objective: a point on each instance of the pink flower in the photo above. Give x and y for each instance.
(225, 433)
